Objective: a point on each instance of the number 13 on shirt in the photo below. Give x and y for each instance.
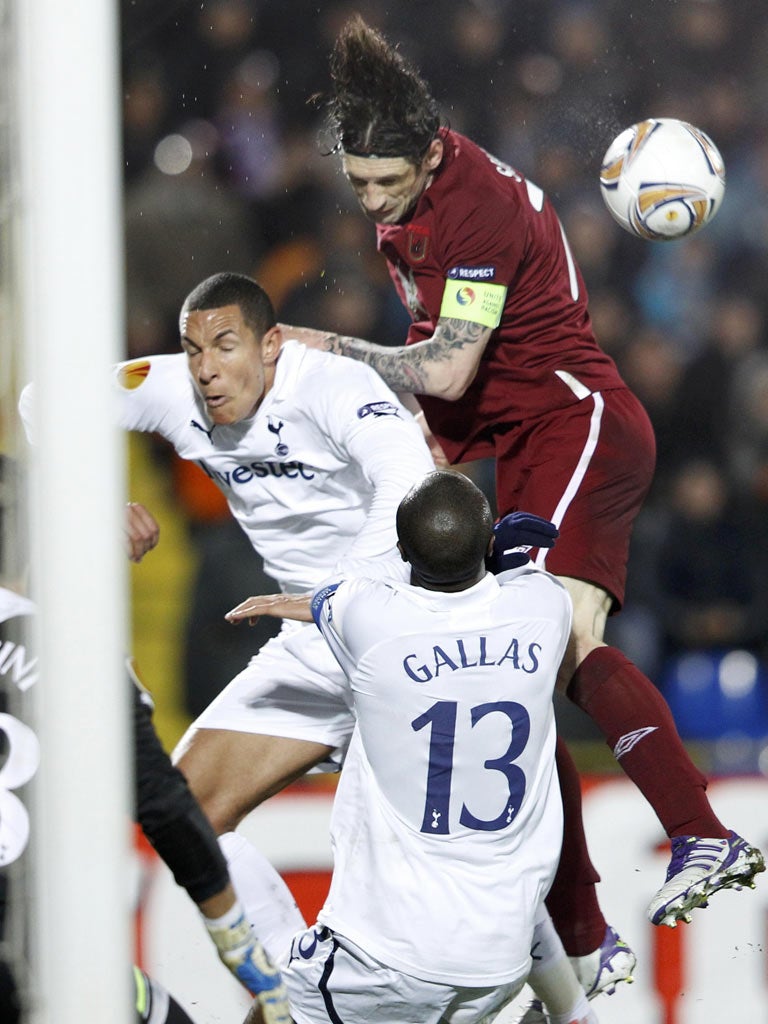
(440, 719)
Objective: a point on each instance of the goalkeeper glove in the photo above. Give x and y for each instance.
(515, 535)
(246, 958)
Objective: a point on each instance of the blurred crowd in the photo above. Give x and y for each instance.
(227, 167)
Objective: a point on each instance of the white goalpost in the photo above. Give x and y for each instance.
(70, 260)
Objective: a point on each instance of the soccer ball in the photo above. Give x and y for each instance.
(662, 179)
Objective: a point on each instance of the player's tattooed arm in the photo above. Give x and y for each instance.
(443, 365)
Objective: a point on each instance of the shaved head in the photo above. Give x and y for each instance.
(444, 526)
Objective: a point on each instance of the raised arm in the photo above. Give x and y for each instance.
(443, 365)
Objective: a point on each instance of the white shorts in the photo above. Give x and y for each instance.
(292, 687)
(331, 979)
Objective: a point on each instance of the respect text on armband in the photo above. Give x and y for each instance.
(244, 474)
(472, 273)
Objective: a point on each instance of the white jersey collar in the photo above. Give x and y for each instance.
(483, 588)
(287, 371)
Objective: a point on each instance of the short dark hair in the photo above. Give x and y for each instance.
(229, 289)
(381, 106)
(444, 525)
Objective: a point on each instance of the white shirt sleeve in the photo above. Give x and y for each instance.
(151, 392)
(144, 389)
(327, 604)
(382, 437)
(393, 457)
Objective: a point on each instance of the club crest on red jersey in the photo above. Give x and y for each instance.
(418, 244)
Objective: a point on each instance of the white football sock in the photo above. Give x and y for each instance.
(553, 978)
(268, 902)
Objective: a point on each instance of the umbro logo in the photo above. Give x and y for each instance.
(630, 740)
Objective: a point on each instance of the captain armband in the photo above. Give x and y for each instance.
(479, 302)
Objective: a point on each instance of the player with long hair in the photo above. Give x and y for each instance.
(503, 362)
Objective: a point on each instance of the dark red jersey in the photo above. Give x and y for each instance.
(480, 221)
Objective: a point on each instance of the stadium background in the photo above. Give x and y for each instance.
(224, 166)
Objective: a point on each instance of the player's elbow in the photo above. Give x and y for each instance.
(454, 387)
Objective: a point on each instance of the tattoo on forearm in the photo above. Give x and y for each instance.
(406, 368)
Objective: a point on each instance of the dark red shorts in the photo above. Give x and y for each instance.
(588, 468)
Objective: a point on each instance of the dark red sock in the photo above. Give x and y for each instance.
(640, 730)
(572, 900)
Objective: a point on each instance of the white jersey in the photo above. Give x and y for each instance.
(447, 823)
(314, 477)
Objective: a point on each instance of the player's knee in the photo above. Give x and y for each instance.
(591, 607)
(217, 800)
(580, 645)
(220, 814)
(583, 642)
(208, 786)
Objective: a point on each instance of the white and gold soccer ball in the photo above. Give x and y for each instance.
(662, 179)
